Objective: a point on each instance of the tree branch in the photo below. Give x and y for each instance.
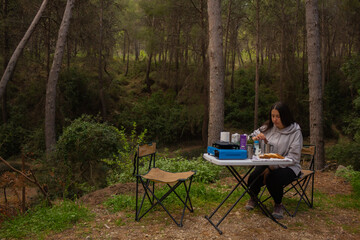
(34, 181)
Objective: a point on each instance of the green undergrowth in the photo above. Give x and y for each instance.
(351, 176)
(42, 220)
(208, 196)
(205, 197)
(201, 194)
(205, 171)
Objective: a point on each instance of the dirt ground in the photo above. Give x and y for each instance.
(316, 223)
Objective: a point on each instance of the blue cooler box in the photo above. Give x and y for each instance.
(226, 154)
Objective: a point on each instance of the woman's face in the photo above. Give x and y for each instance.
(275, 118)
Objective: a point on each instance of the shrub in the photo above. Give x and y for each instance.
(205, 171)
(345, 154)
(77, 158)
(122, 161)
(34, 143)
(352, 176)
(352, 119)
(11, 137)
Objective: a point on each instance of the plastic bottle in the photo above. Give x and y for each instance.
(257, 148)
(243, 138)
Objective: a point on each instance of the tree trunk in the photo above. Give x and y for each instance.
(101, 79)
(124, 47)
(315, 92)
(248, 50)
(147, 76)
(241, 61)
(177, 56)
(232, 80)
(128, 55)
(323, 48)
(234, 44)
(256, 107)
(6, 52)
(204, 60)
(48, 44)
(216, 65)
(50, 133)
(227, 34)
(282, 64)
(136, 50)
(14, 58)
(303, 60)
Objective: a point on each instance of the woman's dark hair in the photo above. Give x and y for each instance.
(285, 116)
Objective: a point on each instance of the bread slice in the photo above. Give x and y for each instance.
(271, 155)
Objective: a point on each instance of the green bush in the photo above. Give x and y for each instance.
(77, 158)
(353, 177)
(11, 138)
(122, 162)
(352, 119)
(345, 154)
(34, 143)
(205, 171)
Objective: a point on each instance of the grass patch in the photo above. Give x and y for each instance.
(117, 203)
(352, 200)
(346, 202)
(42, 220)
(201, 194)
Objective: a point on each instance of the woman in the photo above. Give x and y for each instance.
(285, 135)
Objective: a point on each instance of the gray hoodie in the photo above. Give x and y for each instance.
(287, 142)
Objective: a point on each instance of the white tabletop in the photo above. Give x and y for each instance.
(247, 162)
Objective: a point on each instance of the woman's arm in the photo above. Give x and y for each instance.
(295, 147)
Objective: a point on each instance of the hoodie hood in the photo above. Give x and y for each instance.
(292, 128)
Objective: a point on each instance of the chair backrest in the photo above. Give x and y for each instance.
(308, 157)
(147, 151)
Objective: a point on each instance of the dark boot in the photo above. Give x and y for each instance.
(278, 211)
(250, 205)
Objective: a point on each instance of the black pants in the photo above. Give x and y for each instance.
(275, 181)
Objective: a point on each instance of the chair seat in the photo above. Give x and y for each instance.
(158, 175)
(305, 173)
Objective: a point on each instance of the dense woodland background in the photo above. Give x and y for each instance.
(138, 70)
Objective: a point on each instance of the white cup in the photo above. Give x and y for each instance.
(225, 137)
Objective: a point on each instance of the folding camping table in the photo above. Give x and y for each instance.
(251, 163)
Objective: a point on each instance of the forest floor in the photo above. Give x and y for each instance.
(316, 223)
(320, 222)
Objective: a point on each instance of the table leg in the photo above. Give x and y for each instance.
(242, 182)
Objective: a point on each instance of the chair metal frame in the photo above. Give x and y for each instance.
(301, 183)
(148, 180)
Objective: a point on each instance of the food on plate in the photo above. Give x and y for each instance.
(271, 155)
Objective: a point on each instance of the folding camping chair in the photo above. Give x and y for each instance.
(301, 184)
(156, 175)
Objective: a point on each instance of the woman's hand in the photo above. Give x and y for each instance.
(260, 136)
